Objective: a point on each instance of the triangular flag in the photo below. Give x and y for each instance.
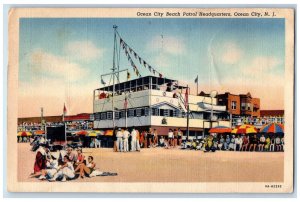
(154, 71)
(130, 50)
(135, 55)
(103, 82)
(64, 110)
(140, 59)
(150, 68)
(121, 41)
(144, 63)
(128, 75)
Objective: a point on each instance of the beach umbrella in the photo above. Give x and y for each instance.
(24, 133)
(220, 129)
(39, 132)
(95, 133)
(244, 129)
(272, 128)
(108, 133)
(82, 132)
(99, 132)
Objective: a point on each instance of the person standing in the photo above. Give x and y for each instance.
(170, 137)
(114, 138)
(125, 140)
(133, 140)
(138, 136)
(155, 138)
(175, 137)
(150, 137)
(119, 140)
(180, 134)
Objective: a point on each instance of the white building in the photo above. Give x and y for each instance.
(154, 102)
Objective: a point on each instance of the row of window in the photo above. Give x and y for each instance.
(138, 112)
(244, 106)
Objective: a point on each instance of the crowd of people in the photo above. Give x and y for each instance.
(133, 140)
(229, 142)
(64, 165)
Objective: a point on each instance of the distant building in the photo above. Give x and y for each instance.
(240, 105)
(279, 113)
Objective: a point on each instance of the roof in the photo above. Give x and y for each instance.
(139, 82)
(279, 112)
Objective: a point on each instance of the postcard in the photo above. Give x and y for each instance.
(151, 100)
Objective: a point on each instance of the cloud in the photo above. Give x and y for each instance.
(51, 94)
(57, 66)
(232, 53)
(167, 44)
(262, 65)
(83, 50)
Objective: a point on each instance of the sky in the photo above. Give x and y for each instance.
(61, 59)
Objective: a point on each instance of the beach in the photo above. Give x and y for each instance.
(172, 165)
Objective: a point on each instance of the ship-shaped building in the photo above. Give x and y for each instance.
(154, 102)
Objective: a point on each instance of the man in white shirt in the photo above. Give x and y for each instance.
(119, 140)
(133, 140)
(125, 140)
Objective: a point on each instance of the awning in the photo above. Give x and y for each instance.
(220, 129)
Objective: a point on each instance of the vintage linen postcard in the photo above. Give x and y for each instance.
(187, 100)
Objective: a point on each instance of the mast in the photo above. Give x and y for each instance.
(114, 70)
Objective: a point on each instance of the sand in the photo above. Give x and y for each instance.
(173, 165)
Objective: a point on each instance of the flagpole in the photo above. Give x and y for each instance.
(197, 85)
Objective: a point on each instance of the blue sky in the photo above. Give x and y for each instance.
(59, 56)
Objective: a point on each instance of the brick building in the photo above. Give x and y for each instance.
(240, 105)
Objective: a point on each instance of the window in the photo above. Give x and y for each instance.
(176, 113)
(248, 106)
(154, 111)
(146, 111)
(161, 112)
(138, 112)
(131, 113)
(122, 114)
(117, 115)
(97, 116)
(171, 113)
(233, 105)
(166, 112)
(103, 116)
(243, 106)
(109, 115)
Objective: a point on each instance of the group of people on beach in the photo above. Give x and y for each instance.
(253, 142)
(64, 165)
(133, 140)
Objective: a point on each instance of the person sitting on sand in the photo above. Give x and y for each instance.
(41, 158)
(49, 172)
(88, 168)
(80, 159)
(262, 141)
(66, 171)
